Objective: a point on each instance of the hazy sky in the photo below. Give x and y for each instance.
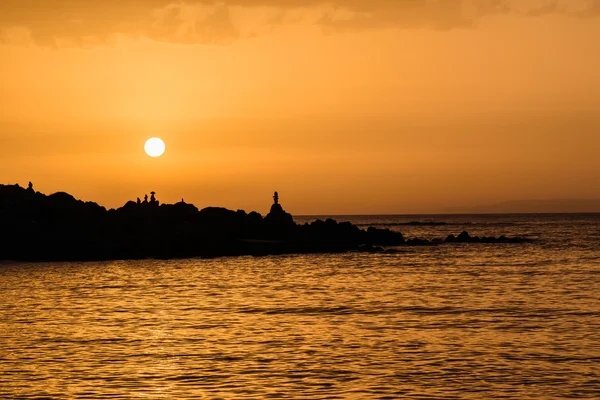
(343, 106)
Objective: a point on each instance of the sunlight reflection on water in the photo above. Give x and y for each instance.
(514, 321)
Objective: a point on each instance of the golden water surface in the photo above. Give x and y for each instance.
(456, 321)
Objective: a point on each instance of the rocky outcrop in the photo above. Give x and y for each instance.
(34, 226)
(464, 237)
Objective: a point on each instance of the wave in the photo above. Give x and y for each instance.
(411, 223)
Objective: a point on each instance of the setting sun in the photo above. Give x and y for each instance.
(154, 147)
(362, 199)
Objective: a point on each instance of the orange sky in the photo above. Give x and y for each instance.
(344, 107)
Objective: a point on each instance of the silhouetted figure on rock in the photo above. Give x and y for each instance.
(277, 219)
(153, 200)
(138, 201)
(60, 227)
(30, 193)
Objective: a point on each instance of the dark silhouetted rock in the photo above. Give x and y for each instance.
(418, 242)
(60, 227)
(384, 237)
(463, 237)
(369, 248)
(278, 222)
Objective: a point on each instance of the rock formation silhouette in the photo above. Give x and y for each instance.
(277, 218)
(37, 227)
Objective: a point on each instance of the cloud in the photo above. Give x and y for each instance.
(79, 22)
(438, 14)
(92, 22)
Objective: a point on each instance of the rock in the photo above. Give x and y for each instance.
(277, 219)
(60, 227)
(418, 242)
(369, 248)
(384, 237)
(463, 237)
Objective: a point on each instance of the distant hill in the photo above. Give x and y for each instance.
(533, 206)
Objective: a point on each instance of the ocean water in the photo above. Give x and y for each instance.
(459, 321)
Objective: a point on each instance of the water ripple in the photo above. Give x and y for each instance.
(466, 322)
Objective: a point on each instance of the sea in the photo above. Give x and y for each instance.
(454, 321)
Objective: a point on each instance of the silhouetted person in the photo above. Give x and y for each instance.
(153, 200)
(69, 229)
(277, 218)
(30, 188)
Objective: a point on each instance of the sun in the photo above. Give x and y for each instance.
(154, 147)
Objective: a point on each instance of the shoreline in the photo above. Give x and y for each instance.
(58, 227)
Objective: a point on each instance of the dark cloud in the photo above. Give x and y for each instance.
(80, 22)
